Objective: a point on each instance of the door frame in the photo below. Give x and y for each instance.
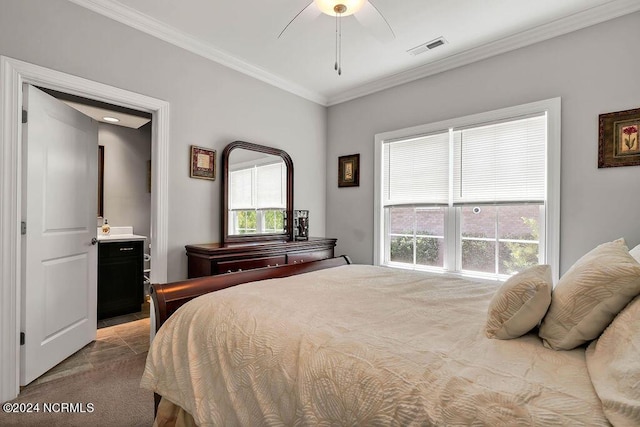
(13, 73)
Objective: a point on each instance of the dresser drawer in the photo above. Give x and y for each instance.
(209, 259)
(120, 249)
(295, 258)
(248, 264)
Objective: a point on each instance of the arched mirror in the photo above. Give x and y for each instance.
(257, 196)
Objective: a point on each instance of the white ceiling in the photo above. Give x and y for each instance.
(99, 114)
(244, 35)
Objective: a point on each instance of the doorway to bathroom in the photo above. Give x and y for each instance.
(14, 75)
(123, 211)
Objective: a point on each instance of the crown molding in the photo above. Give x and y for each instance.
(132, 18)
(587, 18)
(128, 16)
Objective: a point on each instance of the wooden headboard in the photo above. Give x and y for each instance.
(168, 297)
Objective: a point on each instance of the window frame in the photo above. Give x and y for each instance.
(254, 169)
(260, 220)
(496, 239)
(549, 240)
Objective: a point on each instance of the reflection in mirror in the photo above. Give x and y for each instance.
(257, 193)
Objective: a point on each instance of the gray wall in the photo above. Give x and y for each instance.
(210, 106)
(126, 199)
(594, 70)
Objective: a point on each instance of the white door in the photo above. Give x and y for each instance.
(59, 257)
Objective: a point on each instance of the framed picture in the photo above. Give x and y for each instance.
(100, 180)
(300, 225)
(349, 171)
(618, 143)
(203, 163)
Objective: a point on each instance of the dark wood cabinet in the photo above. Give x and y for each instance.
(217, 258)
(120, 278)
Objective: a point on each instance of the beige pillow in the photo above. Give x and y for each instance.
(635, 253)
(589, 296)
(520, 303)
(613, 362)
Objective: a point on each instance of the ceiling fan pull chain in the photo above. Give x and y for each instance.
(340, 46)
(340, 9)
(335, 67)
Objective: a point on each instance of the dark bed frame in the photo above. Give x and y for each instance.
(168, 297)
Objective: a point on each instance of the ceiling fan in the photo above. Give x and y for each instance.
(363, 10)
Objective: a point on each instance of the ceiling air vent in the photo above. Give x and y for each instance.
(424, 47)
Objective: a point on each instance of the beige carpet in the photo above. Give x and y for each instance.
(112, 387)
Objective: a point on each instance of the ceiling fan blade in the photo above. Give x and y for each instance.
(371, 18)
(306, 15)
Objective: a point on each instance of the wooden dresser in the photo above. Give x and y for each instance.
(216, 258)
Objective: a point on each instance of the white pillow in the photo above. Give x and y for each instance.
(613, 362)
(520, 303)
(590, 295)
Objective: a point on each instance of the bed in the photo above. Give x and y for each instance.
(332, 343)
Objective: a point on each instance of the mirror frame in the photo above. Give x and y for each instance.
(236, 238)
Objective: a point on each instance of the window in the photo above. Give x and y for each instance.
(257, 199)
(476, 195)
(416, 235)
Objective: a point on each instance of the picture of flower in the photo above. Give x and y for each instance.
(349, 171)
(619, 139)
(629, 138)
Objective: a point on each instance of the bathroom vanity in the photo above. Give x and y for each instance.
(120, 273)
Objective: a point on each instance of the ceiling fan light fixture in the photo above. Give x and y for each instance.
(339, 9)
(329, 6)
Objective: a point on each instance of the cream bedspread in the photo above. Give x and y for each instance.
(362, 345)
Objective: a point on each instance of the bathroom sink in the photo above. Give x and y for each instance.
(119, 234)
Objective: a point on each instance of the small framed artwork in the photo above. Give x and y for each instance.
(203, 163)
(100, 180)
(618, 143)
(349, 171)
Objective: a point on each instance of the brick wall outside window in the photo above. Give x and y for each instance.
(481, 224)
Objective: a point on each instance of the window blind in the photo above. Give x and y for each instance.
(497, 162)
(500, 162)
(270, 183)
(258, 187)
(416, 170)
(241, 189)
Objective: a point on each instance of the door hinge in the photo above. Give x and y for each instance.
(23, 228)
(21, 338)
(24, 116)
